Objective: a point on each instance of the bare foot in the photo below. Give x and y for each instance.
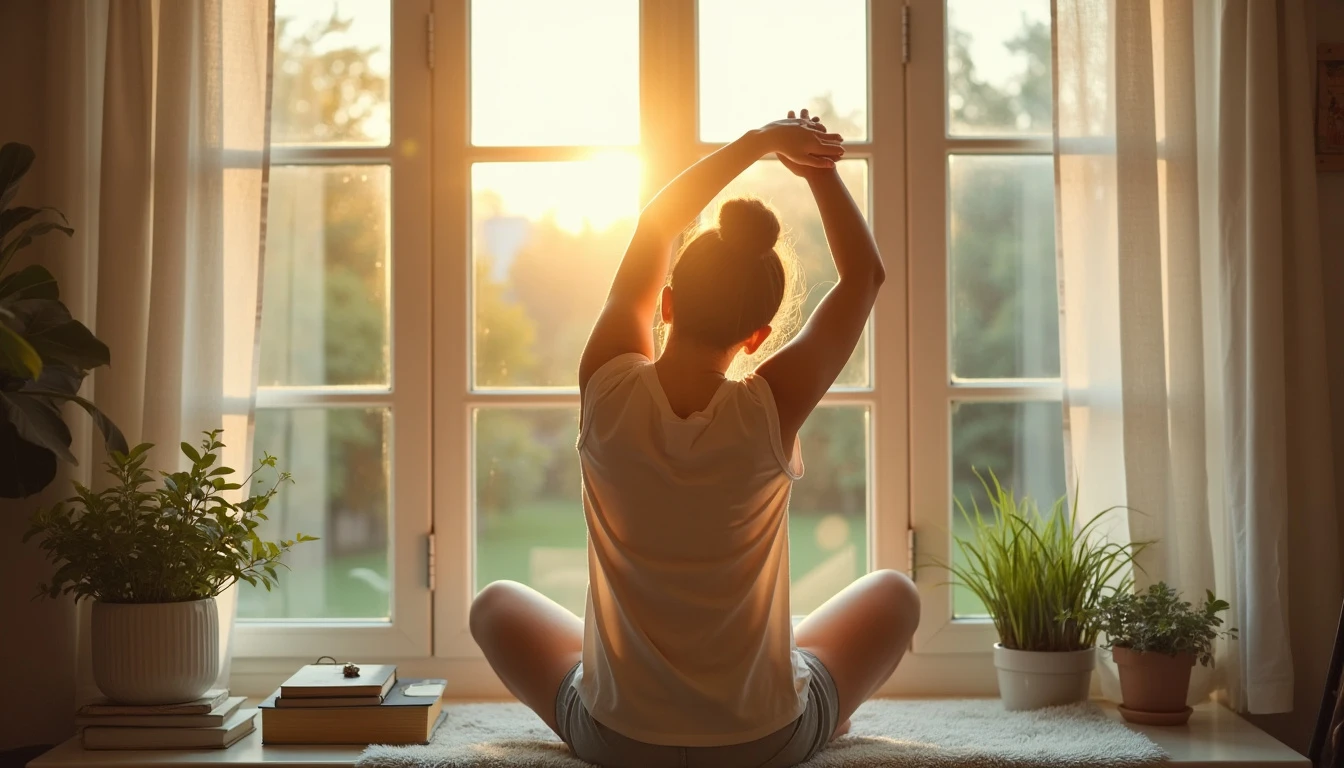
(840, 730)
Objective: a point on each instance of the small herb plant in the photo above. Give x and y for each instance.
(1158, 621)
(182, 540)
(1039, 575)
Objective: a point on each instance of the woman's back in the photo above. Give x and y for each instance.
(688, 551)
(687, 653)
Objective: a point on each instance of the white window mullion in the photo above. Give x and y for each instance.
(452, 330)
(320, 397)
(411, 314)
(889, 463)
(320, 155)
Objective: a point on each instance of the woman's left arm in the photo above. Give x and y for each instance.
(625, 324)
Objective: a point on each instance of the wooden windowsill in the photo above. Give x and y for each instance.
(1215, 738)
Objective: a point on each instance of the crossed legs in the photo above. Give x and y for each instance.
(530, 640)
(860, 635)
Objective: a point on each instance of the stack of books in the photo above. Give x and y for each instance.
(319, 704)
(214, 721)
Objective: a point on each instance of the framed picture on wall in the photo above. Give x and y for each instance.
(1330, 107)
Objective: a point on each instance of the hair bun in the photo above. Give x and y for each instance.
(749, 224)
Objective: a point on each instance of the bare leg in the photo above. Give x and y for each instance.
(861, 635)
(531, 642)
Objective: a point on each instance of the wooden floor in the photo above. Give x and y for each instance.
(1214, 738)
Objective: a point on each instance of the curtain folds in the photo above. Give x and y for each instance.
(1191, 304)
(164, 108)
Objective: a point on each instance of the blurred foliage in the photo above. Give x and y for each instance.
(324, 93)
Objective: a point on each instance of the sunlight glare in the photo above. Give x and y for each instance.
(588, 194)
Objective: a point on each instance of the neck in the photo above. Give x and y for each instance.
(692, 357)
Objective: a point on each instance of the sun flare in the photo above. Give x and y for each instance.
(594, 193)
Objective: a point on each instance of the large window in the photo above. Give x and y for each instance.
(453, 184)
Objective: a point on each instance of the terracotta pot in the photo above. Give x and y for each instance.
(1154, 683)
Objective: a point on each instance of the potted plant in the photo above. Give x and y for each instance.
(1156, 638)
(153, 556)
(1038, 576)
(44, 352)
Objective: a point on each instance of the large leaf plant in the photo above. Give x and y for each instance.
(44, 352)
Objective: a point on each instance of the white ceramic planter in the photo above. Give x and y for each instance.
(155, 653)
(1032, 680)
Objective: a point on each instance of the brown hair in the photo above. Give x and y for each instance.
(733, 278)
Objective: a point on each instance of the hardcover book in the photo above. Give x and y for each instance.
(236, 727)
(212, 719)
(328, 681)
(202, 706)
(408, 715)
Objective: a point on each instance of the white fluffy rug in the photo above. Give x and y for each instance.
(887, 733)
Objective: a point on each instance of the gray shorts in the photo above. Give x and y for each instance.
(789, 746)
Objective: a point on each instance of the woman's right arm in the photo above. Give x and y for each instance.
(800, 373)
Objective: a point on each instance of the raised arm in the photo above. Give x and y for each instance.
(801, 372)
(625, 324)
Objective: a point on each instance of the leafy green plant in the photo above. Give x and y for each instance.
(1158, 621)
(1039, 575)
(182, 540)
(44, 352)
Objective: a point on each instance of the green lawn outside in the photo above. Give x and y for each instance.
(347, 597)
(502, 552)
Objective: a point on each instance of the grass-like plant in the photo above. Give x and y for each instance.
(1159, 621)
(182, 540)
(1040, 576)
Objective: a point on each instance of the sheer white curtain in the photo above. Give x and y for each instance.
(156, 148)
(1191, 302)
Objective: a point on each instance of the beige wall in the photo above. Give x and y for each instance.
(37, 637)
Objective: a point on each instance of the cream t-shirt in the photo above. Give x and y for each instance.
(688, 639)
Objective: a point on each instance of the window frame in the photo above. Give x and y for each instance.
(909, 478)
(406, 633)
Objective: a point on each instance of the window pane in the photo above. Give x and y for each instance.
(546, 239)
(546, 73)
(998, 67)
(1023, 444)
(1004, 303)
(332, 72)
(338, 458)
(760, 58)
(828, 513)
(529, 515)
(324, 295)
(792, 201)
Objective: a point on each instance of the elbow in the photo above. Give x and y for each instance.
(879, 274)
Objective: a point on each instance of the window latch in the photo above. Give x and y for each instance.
(429, 561)
(905, 34)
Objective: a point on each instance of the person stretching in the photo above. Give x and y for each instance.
(687, 654)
